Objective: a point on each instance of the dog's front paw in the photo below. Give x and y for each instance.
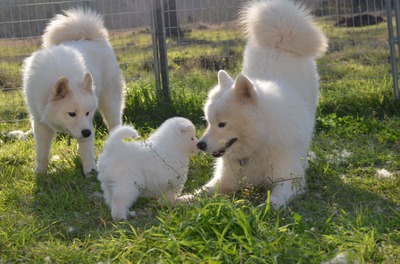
(185, 198)
(40, 170)
(91, 173)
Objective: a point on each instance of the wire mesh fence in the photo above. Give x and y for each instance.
(201, 38)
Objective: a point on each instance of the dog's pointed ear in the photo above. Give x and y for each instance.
(224, 80)
(244, 88)
(87, 82)
(61, 89)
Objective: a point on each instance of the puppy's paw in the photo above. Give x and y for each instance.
(131, 213)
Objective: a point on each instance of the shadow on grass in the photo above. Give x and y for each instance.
(65, 202)
(73, 205)
(364, 99)
(328, 196)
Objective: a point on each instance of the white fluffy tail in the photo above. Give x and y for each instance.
(74, 24)
(119, 133)
(284, 26)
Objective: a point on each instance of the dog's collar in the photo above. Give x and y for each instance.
(243, 162)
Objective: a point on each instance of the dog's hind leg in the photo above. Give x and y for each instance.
(111, 104)
(284, 192)
(288, 180)
(43, 138)
(111, 116)
(86, 147)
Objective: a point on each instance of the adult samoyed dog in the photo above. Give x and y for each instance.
(260, 124)
(74, 73)
(155, 167)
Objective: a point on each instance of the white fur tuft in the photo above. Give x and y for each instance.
(283, 25)
(74, 24)
(120, 133)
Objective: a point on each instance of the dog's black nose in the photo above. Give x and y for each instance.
(202, 145)
(86, 133)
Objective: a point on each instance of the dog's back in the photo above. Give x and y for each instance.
(74, 25)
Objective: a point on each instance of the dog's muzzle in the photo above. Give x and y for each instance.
(203, 146)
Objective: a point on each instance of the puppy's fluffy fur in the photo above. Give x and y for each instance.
(151, 168)
(260, 124)
(65, 82)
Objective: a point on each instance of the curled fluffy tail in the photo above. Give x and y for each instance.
(74, 24)
(283, 25)
(119, 133)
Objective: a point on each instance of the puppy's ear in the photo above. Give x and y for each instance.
(182, 129)
(61, 89)
(224, 80)
(244, 88)
(87, 83)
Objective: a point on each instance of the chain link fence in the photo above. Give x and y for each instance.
(198, 34)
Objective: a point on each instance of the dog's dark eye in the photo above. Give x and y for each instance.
(72, 114)
(192, 139)
(222, 124)
(87, 113)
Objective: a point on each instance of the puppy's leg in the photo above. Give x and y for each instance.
(106, 187)
(119, 210)
(86, 147)
(43, 138)
(122, 198)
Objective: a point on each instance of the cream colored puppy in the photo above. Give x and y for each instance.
(155, 167)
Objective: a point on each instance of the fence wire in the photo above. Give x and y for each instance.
(201, 34)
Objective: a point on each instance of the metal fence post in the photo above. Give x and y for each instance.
(156, 63)
(160, 51)
(393, 40)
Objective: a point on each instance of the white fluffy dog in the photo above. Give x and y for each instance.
(65, 82)
(151, 168)
(260, 125)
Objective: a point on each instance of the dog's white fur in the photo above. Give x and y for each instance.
(260, 124)
(65, 82)
(151, 168)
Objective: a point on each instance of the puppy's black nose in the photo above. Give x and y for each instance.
(202, 145)
(86, 133)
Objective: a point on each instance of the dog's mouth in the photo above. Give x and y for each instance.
(221, 152)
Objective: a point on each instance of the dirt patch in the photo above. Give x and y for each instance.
(360, 20)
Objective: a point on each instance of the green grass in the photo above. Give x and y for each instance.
(61, 218)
